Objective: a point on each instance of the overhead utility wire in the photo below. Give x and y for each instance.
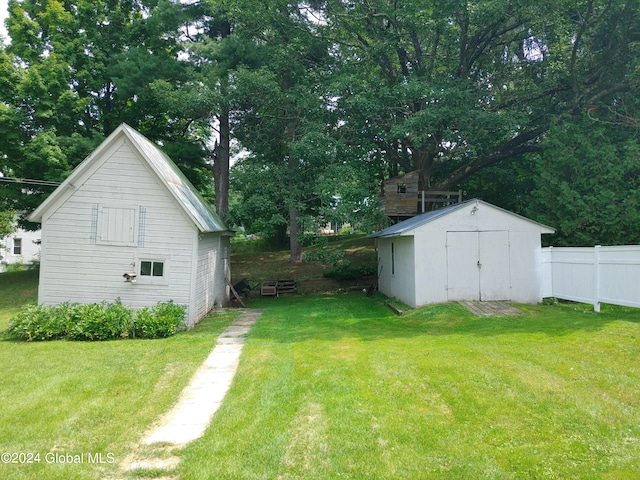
(30, 181)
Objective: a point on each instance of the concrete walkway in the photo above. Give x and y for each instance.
(200, 399)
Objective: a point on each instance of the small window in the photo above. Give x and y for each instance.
(402, 188)
(393, 259)
(17, 246)
(151, 269)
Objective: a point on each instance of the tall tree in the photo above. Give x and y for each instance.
(450, 87)
(283, 115)
(587, 183)
(78, 68)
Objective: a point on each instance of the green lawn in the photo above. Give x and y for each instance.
(86, 399)
(339, 387)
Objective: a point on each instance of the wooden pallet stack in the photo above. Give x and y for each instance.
(274, 288)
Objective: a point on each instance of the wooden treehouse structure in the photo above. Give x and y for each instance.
(401, 198)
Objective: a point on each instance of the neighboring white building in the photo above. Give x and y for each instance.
(127, 224)
(469, 251)
(21, 247)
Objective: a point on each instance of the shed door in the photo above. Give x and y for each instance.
(478, 266)
(495, 278)
(463, 274)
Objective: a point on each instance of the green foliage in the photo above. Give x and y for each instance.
(15, 267)
(343, 268)
(328, 97)
(89, 397)
(320, 252)
(7, 222)
(95, 321)
(347, 271)
(455, 87)
(587, 185)
(72, 73)
(161, 320)
(39, 322)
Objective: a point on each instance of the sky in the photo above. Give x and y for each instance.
(3, 16)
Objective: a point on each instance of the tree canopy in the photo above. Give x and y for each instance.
(451, 87)
(505, 98)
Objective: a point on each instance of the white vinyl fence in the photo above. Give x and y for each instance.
(592, 274)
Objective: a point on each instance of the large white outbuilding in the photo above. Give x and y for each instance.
(128, 224)
(468, 251)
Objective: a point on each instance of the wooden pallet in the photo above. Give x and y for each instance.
(489, 309)
(274, 288)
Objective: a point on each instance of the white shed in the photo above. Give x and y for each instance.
(127, 209)
(469, 251)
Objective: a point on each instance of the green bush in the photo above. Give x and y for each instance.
(350, 272)
(15, 267)
(95, 321)
(161, 320)
(99, 321)
(38, 322)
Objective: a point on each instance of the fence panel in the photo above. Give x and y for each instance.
(593, 274)
(620, 275)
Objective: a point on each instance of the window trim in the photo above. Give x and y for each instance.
(19, 246)
(153, 279)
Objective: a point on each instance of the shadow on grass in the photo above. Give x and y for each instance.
(354, 315)
(18, 288)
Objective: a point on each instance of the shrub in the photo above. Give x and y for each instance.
(15, 267)
(95, 321)
(86, 322)
(100, 321)
(38, 322)
(350, 272)
(161, 320)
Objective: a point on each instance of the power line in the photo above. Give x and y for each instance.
(29, 181)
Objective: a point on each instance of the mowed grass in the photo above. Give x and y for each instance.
(16, 289)
(64, 401)
(337, 386)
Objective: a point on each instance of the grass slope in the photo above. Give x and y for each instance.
(249, 259)
(336, 386)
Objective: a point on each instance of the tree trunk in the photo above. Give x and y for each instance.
(295, 254)
(294, 230)
(221, 159)
(221, 164)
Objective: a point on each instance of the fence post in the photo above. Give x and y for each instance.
(596, 278)
(549, 271)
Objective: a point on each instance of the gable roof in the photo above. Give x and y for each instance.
(401, 228)
(182, 190)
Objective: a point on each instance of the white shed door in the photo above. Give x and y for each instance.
(495, 277)
(478, 266)
(463, 274)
